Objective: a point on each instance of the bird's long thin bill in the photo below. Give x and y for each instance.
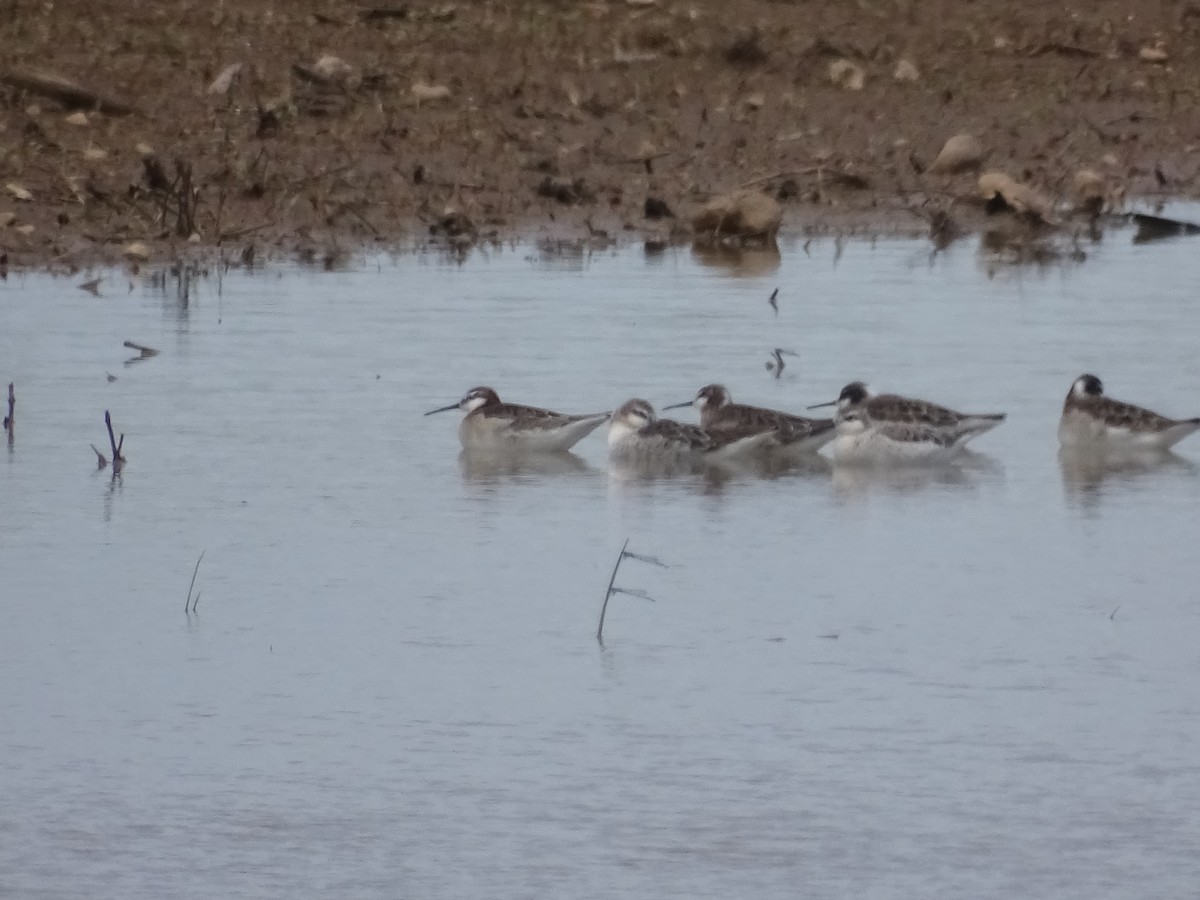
(823, 405)
(442, 409)
(678, 405)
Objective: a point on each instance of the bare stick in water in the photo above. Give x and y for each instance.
(11, 418)
(653, 560)
(777, 367)
(143, 352)
(632, 592)
(118, 460)
(112, 441)
(188, 602)
(609, 592)
(101, 459)
(141, 348)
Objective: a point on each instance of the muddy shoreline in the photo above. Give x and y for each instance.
(325, 128)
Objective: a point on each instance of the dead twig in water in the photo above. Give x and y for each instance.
(771, 300)
(613, 589)
(192, 585)
(145, 351)
(188, 199)
(608, 592)
(118, 460)
(101, 459)
(779, 353)
(653, 560)
(11, 419)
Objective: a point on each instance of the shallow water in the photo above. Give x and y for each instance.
(977, 681)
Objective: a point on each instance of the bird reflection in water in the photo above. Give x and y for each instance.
(1089, 474)
(484, 467)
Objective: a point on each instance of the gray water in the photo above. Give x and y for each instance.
(972, 682)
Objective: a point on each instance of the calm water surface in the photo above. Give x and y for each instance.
(978, 682)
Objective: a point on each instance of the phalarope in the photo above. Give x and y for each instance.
(724, 419)
(1094, 421)
(495, 426)
(893, 408)
(635, 431)
(888, 427)
(861, 440)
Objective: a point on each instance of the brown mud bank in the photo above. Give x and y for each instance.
(150, 131)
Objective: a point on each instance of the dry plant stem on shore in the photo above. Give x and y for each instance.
(68, 93)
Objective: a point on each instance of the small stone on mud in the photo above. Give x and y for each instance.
(424, 93)
(77, 118)
(1004, 192)
(94, 153)
(746, 49)
(846, 74)
(137, 250)
(564, 190)
(743, 214)
(654, 208)
(18, 192)
(961, 153)
(1091, 190)
(906, 71)
(336, 71)
(1155, 54)
(453, 223)
(223, 82)
(788, 189)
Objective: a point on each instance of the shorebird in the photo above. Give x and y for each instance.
(492, 425)
(635, 431)
(1092, 420)
(893, 408)
(722, 418)
(861, 440)
(890, 428)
